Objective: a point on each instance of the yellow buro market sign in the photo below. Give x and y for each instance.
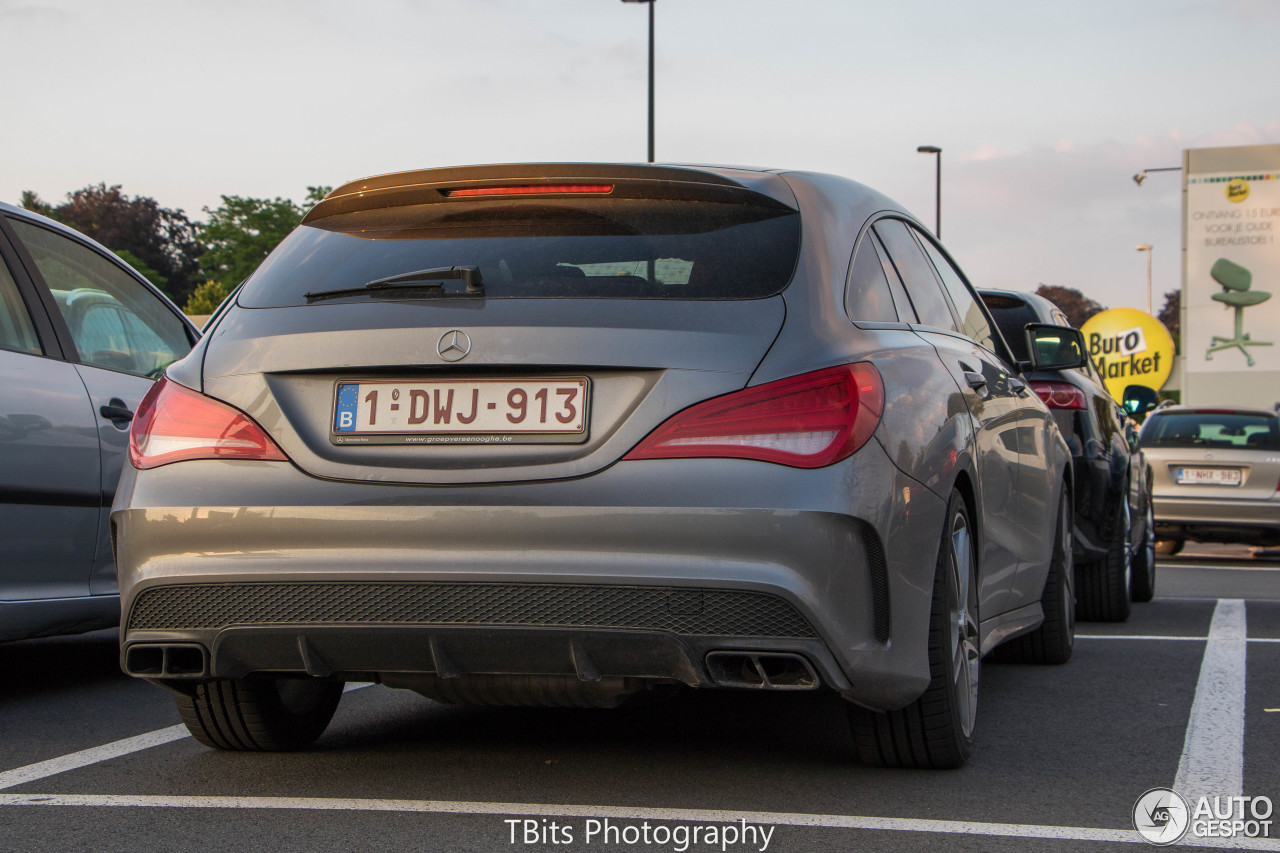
(1129, 347)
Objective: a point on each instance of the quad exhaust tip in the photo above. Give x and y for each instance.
(167, 660)
(762, 670)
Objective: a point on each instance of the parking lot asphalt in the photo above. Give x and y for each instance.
(1185, 694)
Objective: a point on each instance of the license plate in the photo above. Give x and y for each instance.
(1209, 476)
(470, 411)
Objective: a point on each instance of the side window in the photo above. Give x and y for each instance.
(917, 274)
(867, 291)
(906, 311)
(16, 331)
(115, 322)
(973, 323)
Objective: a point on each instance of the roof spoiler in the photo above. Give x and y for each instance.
(430, 186)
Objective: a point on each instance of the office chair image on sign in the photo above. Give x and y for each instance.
(1235, 281)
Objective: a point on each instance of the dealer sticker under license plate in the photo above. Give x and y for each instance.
(472, 411)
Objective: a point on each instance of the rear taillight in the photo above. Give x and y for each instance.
(805, 421)
(1060, 395)
(174, 424)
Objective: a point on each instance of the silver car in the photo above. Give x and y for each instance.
(560, 434)
(82, 339)
(1216, 475)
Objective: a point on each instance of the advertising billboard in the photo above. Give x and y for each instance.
(1129, 347)
(1231, 276)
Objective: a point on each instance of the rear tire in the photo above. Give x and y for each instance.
(1143, 588)
(937, 730)
(1103, 586)
(259, 713)
(1054, 640)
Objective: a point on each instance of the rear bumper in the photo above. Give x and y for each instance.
(639, 571)
(1218, 520)
(390, 653)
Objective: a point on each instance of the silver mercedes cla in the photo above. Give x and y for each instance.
(559, 434)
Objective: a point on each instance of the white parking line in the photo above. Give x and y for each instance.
(1213, 753)
(1167, 638)
(1212, 762)
(1243, 567)
(115, 749)
(85, 757)
(875, 824)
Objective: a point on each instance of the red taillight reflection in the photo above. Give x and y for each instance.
(534, 189)
(174, 423)
(805, 421)
(1060, 395)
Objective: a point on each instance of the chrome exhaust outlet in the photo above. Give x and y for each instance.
(762, 670)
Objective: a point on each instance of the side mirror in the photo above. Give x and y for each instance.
(1055, 347)
(1139, 399)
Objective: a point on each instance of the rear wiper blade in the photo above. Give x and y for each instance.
(429, 279)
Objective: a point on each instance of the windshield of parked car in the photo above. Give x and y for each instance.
(547, 248)
(1212, 430)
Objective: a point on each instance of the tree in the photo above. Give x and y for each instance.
(241, 233)
(1078, 307)
(1171, 316)
(160, 239)
(238, 237)
(1171, 313)
(206, 298)
(315, 195)
(33, 202)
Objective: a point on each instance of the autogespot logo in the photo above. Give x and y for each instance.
(1161, 816)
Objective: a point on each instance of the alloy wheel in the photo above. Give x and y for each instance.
(1149, 538)
(965, 654)
(1126, 522)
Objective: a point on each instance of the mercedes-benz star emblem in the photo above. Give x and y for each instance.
(454, 345)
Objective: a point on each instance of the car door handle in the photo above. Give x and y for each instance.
(117, 412)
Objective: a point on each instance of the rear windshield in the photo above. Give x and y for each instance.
(1012, 317)
(546, 248)
(1211, 429)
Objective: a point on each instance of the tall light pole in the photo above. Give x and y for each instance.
(650, 3)
(937, 198)
(1146, 247)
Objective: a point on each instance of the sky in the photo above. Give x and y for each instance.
(1044, 109)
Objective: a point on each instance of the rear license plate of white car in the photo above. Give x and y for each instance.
(1209, 476)
(469, 411)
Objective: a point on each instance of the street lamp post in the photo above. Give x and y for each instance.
(937, 198)
(650, 4)
(1142, 176)
(1146, 247)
